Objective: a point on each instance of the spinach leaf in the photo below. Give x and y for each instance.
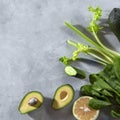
(117, 67)
(87, 90)
(115, 114)
(98, 104)
(117, 99)
(107, 79)
(98, 82)
(106, 93)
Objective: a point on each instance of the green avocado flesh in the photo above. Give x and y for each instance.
(63, 96)
(30, 102)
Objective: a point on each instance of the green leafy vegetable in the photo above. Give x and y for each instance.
(115, 114)
(97, 104)
(87, 90)
(104, 86)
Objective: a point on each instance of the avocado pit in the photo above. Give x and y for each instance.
(32, 101)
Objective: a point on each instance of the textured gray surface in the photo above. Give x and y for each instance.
(32, 38)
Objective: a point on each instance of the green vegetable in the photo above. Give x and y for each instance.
(97, 50)
(115, 113)
(70, 71)
(104, 86)
(117, 68)
(74, 72)
(97, 104)
(114, 21)
(102, 90)
(87, 90)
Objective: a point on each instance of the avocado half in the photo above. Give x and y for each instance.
(30, 102)
(63, 96)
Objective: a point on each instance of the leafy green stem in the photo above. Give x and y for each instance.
(80, 33)
(89, 50)
(110, 52)
(100, 55)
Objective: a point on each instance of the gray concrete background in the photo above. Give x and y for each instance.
(32, 38)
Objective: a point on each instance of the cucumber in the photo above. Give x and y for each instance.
(75, 72)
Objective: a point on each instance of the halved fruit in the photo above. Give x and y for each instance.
(63, 96)
(30, 102)
(82, 111)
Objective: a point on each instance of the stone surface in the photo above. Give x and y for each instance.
(32, 38)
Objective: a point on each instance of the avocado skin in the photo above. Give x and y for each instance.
(31, 92)
(54, 100)
(114, 22)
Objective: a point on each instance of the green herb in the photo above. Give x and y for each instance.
(104, 86)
